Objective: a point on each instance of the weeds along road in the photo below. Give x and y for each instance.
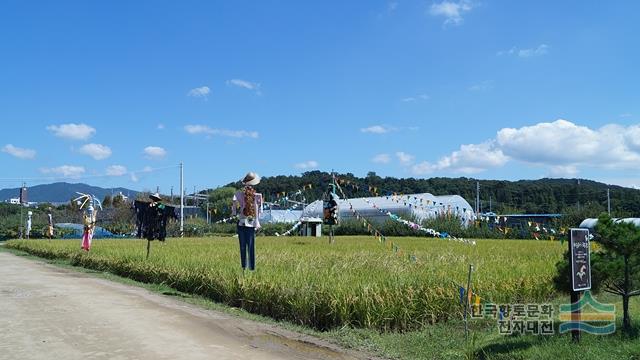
(50, 312)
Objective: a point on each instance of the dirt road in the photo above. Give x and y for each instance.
(53, 313)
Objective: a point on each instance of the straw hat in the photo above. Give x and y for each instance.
(155, 197)
(251, 179)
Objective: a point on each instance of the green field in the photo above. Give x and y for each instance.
(366, 296)
(356, 282)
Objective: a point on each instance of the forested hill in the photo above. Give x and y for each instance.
(524, 196)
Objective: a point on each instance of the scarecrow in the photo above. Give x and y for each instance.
(50, 227)
(88, 218)
(330, 210)
(152, 218)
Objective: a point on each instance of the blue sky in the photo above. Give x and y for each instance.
(118, 93)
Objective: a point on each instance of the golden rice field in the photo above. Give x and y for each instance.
(355, 282)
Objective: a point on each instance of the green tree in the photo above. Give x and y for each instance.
(73, 205)
(620, 261)
(106, 202)
(220, 202)
(118, 201)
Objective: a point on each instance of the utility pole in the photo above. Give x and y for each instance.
(578, 194)
(181, 199)
(490, 203)
(478, 198)
(172, 194)
(157, 189)
(608, 202)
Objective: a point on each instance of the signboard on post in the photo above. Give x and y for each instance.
(580, 259)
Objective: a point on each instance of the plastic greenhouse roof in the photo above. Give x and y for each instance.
(421, 206)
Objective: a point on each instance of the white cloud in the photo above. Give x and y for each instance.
(632, 137)
(134, 177)
(382, 159)
(96, 151)
(72, 131)
(155, 152)
(147, 169)
(404, 158)
(482, 87)
(626, 115)
(200, 92)
(203, 129)
(421, 97)
(540, 50)
(160, 126)
(311, 164)
(451, 11)
(245, 85)
(377, 129)
(20, 153)
(70, 171)
(561, 146)
(116, 170)
(564, 143)
(392, 6)
(561, 171)
(469, 159)
(423, 168)
(473, 158)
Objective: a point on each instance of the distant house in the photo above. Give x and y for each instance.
(15, 201)
(124, 197)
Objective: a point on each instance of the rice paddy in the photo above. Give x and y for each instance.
(356, 282)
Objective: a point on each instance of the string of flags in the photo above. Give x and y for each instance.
(537, 230)
(375, 232)
(288, 232)
(418, 227)
(284, 194)
(225, 220)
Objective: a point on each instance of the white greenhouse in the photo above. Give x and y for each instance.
(421, 206)
(280, 216)
(592, 222)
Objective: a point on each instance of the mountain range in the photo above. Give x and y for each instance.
(61, 192)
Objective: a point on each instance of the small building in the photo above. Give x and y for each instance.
(310, 226)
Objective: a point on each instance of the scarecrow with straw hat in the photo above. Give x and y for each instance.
(156, 201)
(247, 205)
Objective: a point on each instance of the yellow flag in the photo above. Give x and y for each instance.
(477, 300)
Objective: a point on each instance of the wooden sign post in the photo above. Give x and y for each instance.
(580, 258)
